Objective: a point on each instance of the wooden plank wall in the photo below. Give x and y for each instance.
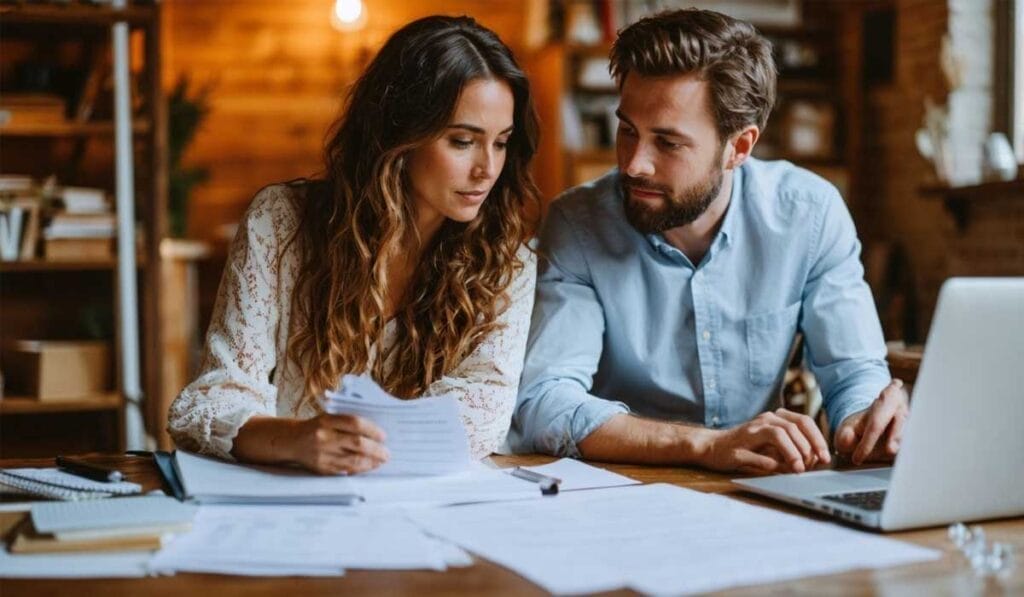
(279, 71)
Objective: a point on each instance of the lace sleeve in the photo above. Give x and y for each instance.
(234, 382)
(487, 380)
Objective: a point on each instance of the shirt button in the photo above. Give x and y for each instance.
(711, 383)
(715, 421)
(706, 335)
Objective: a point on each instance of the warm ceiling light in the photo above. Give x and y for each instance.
(348, 15)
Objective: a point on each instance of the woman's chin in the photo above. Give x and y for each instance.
(465, 215)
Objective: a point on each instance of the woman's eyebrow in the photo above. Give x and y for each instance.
(476, 129)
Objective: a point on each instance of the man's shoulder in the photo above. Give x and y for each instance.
(781, 181)
(590, 198)
(589, 220)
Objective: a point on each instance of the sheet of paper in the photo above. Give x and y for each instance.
(275, 538)
(424, 436)
(580, 475)
(658, 539)
(480, 484)
(130, 564)
(210, 479)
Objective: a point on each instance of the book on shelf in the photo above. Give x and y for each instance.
(81, 200)
(27, 109)
(19, 227)
(81, 226)
(15, 183)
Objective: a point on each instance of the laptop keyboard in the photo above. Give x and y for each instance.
(867, 500)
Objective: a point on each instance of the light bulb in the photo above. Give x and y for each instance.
(348, 14)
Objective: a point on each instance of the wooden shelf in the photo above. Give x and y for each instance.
(74, 14)
(17, 405)
(42, 265)
(70, 129)
(958, 199)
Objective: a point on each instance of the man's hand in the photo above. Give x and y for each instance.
(875, 432)
(773, 442)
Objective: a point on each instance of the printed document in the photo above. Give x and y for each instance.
(658, 539)
(424, 436)
(308, 538)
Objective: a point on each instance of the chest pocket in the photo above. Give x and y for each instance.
(769, 338)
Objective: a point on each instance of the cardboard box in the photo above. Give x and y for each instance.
(80, 249)
(57, 370)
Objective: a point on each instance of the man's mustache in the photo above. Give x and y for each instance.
(643, 184)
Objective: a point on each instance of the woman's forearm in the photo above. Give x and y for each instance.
(266, 440)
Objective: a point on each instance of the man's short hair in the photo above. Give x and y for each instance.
(729, 54)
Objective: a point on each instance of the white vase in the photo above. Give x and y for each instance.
(1000, 161)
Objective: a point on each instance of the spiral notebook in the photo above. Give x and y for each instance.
(55, 484)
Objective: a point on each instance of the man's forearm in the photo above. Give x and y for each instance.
(626, 438)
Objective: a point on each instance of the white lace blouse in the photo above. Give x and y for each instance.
(245, 372)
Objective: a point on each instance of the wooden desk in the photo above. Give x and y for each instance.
(947, 576)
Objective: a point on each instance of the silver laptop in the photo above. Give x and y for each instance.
(962, 455)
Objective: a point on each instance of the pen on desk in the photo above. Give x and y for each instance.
(548, 485)
(89, 471)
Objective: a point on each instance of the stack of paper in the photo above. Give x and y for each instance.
(308, 541)
(102, 525)
(657, 539)
(212, 481)
(425, 436)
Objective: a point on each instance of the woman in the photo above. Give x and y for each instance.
(406, 261)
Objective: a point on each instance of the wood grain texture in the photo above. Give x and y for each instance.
(279, 73)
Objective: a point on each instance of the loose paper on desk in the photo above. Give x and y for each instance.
(658, 539)
(209, 480)
(310, 539)
(579, 475)
(424, 436)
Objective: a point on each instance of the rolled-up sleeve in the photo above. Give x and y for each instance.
(555, 410)
(486, 382)
(234, 381)
(845, 346)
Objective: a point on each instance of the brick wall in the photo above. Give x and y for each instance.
(993, 242)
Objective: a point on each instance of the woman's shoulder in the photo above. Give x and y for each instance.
(275, 208)
(526, 254)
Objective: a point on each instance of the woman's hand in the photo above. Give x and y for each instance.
(326, 444)
(332, 444)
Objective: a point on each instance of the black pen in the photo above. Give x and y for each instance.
(89, 471)
(548, 485)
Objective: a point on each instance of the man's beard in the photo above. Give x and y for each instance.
(677, 210)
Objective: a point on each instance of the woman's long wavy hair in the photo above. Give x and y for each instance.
(361, 213)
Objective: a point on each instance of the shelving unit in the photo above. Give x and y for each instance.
(821, 73)
(958, 200)
(51, 300)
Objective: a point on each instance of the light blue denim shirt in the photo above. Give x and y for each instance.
(626, 323)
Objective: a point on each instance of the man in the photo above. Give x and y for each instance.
(674, 286)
